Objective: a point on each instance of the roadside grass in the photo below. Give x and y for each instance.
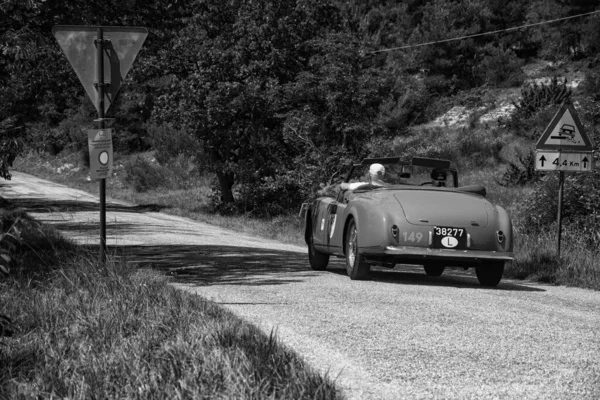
(535, 254)
(536, 258)
(86, 331)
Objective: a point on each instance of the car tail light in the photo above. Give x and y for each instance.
(500, 236)
(395, 231)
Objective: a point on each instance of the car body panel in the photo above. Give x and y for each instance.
(421, 207)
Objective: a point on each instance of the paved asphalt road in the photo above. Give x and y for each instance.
(400, 335)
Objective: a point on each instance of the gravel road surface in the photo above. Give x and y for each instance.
(401, 335)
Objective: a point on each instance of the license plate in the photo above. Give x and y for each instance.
(446, 237)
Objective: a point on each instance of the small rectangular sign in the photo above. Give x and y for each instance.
(101, 153)
(563, 161)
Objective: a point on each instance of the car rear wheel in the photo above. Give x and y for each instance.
(434, 270)
(318, 261)
(490, 274)
(356, 267)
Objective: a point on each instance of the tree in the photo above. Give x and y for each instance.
(246, 51)
(37, 84)
(333, 110)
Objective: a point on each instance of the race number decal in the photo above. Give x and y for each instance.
(414, 237)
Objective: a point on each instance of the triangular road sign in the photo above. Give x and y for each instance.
(121, 46)
(565, 132)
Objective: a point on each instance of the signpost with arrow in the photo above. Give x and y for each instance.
(564, 147)
(101, 57)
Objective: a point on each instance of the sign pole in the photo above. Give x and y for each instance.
(101, 125)
(118, 51)
(561, 184)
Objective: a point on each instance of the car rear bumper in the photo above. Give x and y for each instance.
(420, 255)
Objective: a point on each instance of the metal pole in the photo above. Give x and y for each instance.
(561, 184)
(100, 88)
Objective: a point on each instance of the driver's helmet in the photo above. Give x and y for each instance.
(377, 170)
(438, 175)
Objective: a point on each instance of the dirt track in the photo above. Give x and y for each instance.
(400, 335)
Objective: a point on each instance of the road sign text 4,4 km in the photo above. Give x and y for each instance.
(563, 161)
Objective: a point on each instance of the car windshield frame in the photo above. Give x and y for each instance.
(415, 172)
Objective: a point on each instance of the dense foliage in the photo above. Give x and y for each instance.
(275, 97)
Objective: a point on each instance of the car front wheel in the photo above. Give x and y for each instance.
(356, 267)
(318, 261)
(490, 274)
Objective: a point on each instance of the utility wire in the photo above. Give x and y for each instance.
(484, 33)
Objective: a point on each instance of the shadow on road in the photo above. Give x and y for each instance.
(231, 265)
(221, 265)
(458, 278)
(38, 205)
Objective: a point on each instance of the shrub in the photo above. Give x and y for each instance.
(143, 174)
(499, 67)
(581, 202)
(473, 147)
(169, 143)
(426, 142)
(591, 84)
(477, 146)
(146, 174)
(536, 99)
(271, 197)
(521, 173)
(50, 140)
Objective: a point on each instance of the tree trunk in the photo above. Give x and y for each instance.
(226, 184)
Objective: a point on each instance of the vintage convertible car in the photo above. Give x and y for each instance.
(420, 215)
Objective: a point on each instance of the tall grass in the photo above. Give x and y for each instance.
(86, 331)
(536, 257)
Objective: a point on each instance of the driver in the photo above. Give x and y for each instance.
(375, 177)
(438, 177)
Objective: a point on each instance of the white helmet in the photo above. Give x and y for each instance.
(377, 170)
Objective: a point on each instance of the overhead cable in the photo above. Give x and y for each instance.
(485, 33)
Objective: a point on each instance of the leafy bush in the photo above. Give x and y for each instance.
(499, 67)
(591, 84)
(478, 146)
(146, 174)
(271, 197)
(521, 173)
(169, 143)
(473, 147)
(581, 202)
(536, 106)
(50, 140)
(11, 144)
(426, 142)
(10, 238)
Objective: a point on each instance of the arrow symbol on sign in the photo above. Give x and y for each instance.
(542, 159)
(584, 161)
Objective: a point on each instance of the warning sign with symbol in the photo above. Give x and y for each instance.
(101, 153)
(565, 132)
